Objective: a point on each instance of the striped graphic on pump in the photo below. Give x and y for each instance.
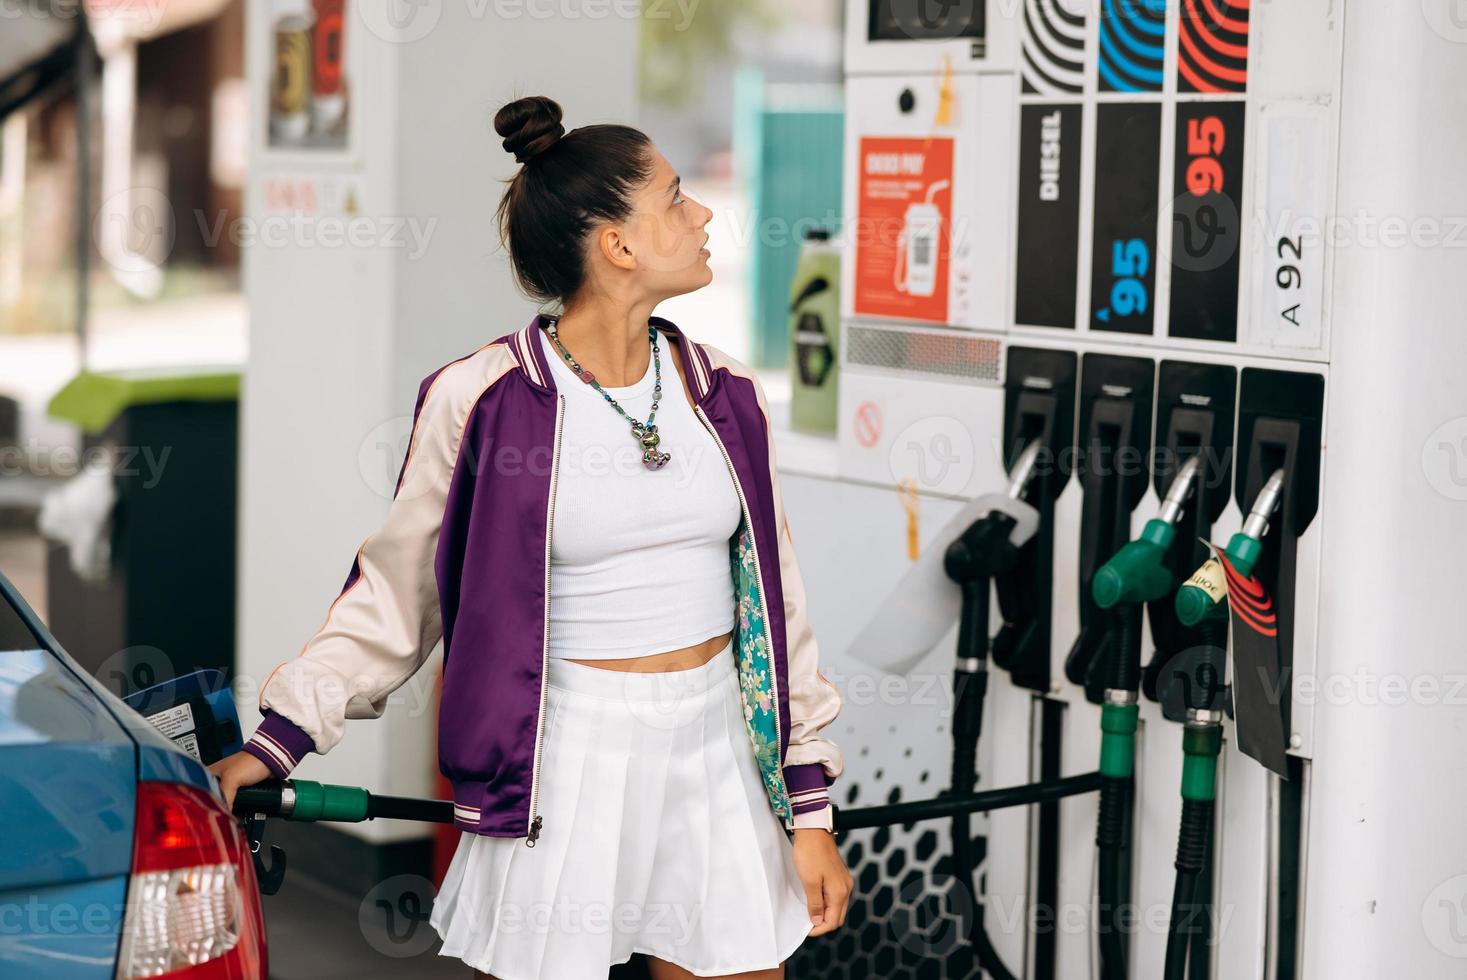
(1132, 45)
(1053, 49)
(1212, 46)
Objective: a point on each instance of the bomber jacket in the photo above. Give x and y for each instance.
(463, 555)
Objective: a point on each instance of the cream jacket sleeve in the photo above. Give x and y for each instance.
(386, 620)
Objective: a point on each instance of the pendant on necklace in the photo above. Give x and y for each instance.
(651, 458)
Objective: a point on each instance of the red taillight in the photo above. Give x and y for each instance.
(193, 904)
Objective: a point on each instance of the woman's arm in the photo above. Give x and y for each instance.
(386, 620)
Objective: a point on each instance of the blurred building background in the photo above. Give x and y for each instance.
(169, 163)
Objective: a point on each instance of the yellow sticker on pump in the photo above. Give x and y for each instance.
(1211, 578)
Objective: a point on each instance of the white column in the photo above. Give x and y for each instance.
(341, 333)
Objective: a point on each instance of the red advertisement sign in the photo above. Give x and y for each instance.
(904, 226)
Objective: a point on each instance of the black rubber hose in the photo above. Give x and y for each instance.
(944, 806)
(1199, 963)
(1188, 914)
(1184, 893)
(1113, 824)
(1213, 631)
(1112, 942)
(972, 688)
(1125, 651)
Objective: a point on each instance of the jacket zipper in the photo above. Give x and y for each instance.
(754, 542)
(537, 822)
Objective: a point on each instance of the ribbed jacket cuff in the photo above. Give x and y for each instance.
(279, 743)
(822, 818)
(808, 786)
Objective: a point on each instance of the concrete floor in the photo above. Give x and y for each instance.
(318, 933)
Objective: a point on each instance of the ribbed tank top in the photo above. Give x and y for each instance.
(639, 558)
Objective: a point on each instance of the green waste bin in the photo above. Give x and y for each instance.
(167, 604)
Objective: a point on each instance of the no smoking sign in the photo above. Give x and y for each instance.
(868, 424)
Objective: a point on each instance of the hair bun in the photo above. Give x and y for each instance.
(530, 126)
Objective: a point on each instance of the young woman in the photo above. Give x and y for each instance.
(589, 516)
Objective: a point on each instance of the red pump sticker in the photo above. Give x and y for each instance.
(904, 227)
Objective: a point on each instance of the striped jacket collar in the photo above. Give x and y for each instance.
(530, 356)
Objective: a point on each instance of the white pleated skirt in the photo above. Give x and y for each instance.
(657, 838)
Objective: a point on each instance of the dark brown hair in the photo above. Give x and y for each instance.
(566, 183)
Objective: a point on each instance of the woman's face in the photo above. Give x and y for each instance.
(666, 234)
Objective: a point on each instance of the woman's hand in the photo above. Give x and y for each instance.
(234, 771)
(826, 878)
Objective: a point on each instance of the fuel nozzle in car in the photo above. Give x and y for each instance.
(304, 801)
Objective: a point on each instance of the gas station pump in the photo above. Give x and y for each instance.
(1153, 240)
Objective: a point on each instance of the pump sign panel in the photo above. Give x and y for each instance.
(904, 223)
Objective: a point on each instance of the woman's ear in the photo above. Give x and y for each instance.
(615, 247)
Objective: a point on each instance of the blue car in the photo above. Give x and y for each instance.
(119, 857)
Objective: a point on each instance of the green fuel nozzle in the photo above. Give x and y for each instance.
(1138, 572)
(1208, 585)
(303, 800)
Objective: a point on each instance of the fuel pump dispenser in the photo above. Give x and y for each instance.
(1139, 574)
(1038, 406)
(1196, 690)
(1217, 200)
(1115, 424)
(1116, 394)
(987, 550)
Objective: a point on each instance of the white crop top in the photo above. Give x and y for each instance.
(639, 559)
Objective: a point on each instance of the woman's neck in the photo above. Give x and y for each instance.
(609, 340)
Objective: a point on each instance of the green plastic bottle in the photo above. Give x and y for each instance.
(815, 334)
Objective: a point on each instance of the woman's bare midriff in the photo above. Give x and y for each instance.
(684, 658)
